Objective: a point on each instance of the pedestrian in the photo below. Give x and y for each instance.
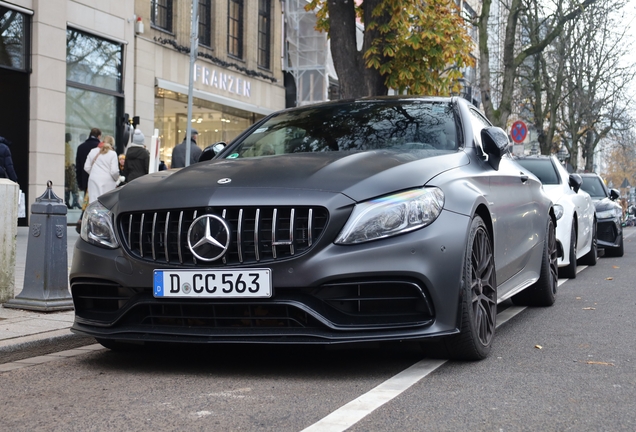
(6, 162)
(162, 166)
(83, 150)
(103, 169)
(137, 158)
(122, 160)
(179, 152)
(70, 176)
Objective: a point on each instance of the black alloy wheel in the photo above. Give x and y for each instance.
(591, 257)
(569, 271)
(479, 298)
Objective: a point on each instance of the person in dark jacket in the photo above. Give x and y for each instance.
(179, 152)
(137, 158)
(6, 162)
(83, 150)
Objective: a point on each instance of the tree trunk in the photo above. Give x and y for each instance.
(355, 79)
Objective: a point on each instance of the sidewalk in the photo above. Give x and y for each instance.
(20, 329)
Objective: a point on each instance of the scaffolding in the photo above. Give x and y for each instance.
(307, 54)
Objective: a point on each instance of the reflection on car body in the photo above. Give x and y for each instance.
(576, 230)
(363, 220)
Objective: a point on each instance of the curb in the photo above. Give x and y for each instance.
(41, 344)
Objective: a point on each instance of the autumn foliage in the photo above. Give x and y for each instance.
(419, 47)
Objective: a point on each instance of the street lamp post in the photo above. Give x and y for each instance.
(194, 46)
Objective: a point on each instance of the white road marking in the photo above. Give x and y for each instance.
(351, 413)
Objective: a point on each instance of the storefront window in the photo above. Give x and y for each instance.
(94, 99)
(212, 121)
(13, 39)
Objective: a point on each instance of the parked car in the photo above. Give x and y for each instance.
(351, 221)
(608, 212)
(576, 219)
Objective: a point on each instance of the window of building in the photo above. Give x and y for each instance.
(235, 28)
(205, 22)
(264, 32)
(471, 18)
(94, 98)
(161, 14)
(93, 61)
(14, 40)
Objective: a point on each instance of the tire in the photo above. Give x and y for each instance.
(543, 291)
(569, 271)
(591, 257)
(618, 251)
(478, 298)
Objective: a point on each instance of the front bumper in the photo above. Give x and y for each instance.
(609, 232)
(405, 287)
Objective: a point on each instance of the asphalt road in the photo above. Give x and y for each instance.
(567, 367)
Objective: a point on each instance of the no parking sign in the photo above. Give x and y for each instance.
(519, 131)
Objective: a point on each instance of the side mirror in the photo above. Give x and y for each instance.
(575, 182)
(211, 151)
(614, 194)
(495, 142)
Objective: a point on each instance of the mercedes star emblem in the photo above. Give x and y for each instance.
(224, 181)
(208, 237)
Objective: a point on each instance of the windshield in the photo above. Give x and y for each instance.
(359, 126)
(594, 186)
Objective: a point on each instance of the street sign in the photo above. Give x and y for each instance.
(519, 131)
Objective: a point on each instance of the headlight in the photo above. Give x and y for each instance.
(558, 211)
(610, 213)
(392, 215)
(97, 226)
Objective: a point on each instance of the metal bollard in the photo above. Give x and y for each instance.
(46, 271)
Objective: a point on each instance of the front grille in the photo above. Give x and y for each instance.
(218, 316)
(258, 235)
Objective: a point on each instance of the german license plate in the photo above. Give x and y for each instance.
(235, 283)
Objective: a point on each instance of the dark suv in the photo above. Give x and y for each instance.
(609, 214)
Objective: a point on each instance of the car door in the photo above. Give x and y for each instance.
(583, 207)
(513, 205)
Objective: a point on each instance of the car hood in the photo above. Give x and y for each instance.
(294, 178)
(604, 204)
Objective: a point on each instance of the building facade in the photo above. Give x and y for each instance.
(237, 77)
(67, 66)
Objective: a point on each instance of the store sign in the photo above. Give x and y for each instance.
(223, 81)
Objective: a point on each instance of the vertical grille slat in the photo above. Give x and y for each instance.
(141, 235)
(277, 233)
(179, 243)
(274, 217)
(166, 239)
(291, 232)
(256, 228)
(152, 237)
(239, 236)
(310, 220)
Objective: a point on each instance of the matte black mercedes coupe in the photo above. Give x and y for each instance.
(350, 221)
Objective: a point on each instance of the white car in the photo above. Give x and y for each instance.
(576, 214)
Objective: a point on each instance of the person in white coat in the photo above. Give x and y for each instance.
(102, 167)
